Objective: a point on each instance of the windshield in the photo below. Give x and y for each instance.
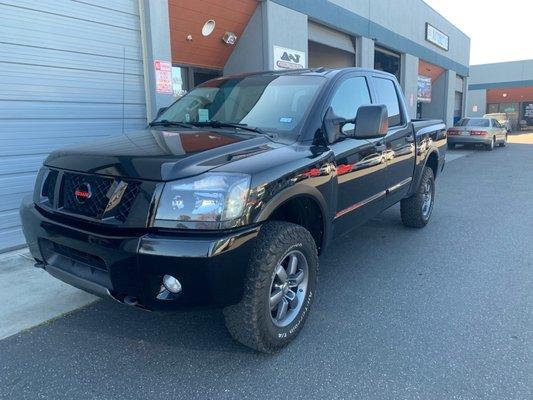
(478, 122)
(269, 102)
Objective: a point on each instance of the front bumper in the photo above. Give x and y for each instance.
(459, 139)
(130, 267)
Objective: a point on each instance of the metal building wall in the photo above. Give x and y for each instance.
(65, 68)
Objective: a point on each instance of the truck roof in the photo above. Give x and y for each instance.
(325, 72)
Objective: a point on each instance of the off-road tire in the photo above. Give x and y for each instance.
(250, 322)
(411, 208)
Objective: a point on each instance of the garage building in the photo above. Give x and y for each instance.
(502, 88)
(74, 70)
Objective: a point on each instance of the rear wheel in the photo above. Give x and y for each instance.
(279, 288)
(490, 147)
(416, 210)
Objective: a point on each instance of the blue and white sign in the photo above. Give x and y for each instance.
(437, 37)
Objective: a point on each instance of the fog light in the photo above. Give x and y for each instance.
(171, 284)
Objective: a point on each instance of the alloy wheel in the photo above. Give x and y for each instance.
(427, 199)
(288, 288)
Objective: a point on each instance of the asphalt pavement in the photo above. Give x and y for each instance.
(440, 313)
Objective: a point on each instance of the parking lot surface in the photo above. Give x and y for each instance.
(440, 313)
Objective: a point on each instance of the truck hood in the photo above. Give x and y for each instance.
(160, 155)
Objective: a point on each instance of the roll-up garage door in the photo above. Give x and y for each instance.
(329, 48)
(70, 71)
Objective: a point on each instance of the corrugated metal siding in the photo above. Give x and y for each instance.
(62, 66)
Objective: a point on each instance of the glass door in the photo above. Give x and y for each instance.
(186, 78)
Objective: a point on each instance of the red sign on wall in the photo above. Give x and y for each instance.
(163, 76)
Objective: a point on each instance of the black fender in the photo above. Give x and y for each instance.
(419, 168)
(297, 191)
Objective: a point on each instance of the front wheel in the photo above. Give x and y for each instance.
(504, 142)
(279, 288)
(416, 210)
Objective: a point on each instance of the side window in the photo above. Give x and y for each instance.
(496, 124)
(350, 95)
(386, 93)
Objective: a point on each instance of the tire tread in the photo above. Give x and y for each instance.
(411, 207)
(244, 320)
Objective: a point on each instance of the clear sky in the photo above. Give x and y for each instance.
(499, 30)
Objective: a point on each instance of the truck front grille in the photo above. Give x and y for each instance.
(49, 186)
(96, 204)
(127, 201)
(107, 198)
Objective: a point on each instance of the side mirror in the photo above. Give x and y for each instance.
(371, 122)
(332, 125)
(161, 111)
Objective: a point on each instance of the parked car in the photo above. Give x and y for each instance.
(485, 131)
(230, 195)
(502, 118)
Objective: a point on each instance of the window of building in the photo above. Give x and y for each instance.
(350, 95)
(388, 61)
(386, 92)
(184, 79)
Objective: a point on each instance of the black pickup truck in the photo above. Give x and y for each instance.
(232, 192)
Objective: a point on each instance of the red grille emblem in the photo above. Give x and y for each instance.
(83, 193)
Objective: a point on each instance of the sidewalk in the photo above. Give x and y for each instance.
(29, 296)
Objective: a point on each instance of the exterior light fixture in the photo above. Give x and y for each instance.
(189, 38)
(229, 38)
(208, 27)
(504, 95)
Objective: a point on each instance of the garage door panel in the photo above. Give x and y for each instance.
(57, 130)
(19, 164)
(13, 189)
(29, 110)
(33, 28)
(16, 54)
(12, 201)
(57, 93)
(66, 68)
(123, 6)
(38, 147)
(9, 219)
(14, 184)
(125, 17)
(37, 74)
(11, 238)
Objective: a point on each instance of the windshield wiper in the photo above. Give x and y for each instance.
(166, 122)
(222, 124)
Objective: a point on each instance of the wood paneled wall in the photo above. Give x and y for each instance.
(187, 17)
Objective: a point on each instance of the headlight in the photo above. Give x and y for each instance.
(203, 202)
